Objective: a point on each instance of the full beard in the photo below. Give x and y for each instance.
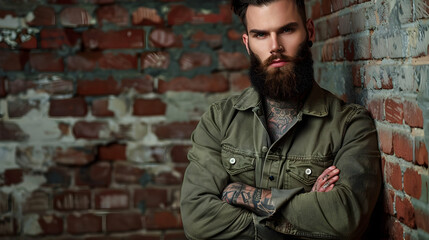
(291, 82)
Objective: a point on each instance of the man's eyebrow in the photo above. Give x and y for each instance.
(289, 25)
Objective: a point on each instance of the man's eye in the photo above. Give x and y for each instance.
(259, 35)
(287, 30)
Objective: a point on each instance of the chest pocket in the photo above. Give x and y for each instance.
(239, 165)
(304, 172)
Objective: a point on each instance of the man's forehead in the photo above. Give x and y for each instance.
(280, 11)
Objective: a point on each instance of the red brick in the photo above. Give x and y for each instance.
(189, 61)
(234, 35)
(239, 81)
(57, 86)
(119, 61)
(146, 16)
(112, 199)
(413, 183)
(8, 226)
(393, 175)
(74, 155)
(333, 23)
(165, 38)
(385, 140)
(201, 83)
(155, 60)
(163, 220)
(174, 177)
(179, 153)
(326, 7)
(123, 222)
(403, 146)
(337, 5)
(150, 198)
(213, 40)
(18, 108)
(421, 153)
(63, 1)
(175, 236)
(46, 62)
(84, 61)
(3, 91)
(75, 17)
(20, 85)
(38, 201)
(180, 14)
(11, 132)
(149, 107)
(395, 231)
(72, 200)
(5, 204)
(100, 108)
(316, 11)
(405, 211)
(72, 107)
(394, 111)
(141, 85)
(84, 223)
(413, 115)
(90, 130)
(13, 176)
(98, 87)
(13, 61)
(127, 38)
(175, 130)
(4, 13)
(56, 38)
(51, 224)
(43, 16)
(95, 175)
(422, 219)
(113, 14)
(233, 60)
(112, 152)
(388, 200)
(58, 177)
(127, 174)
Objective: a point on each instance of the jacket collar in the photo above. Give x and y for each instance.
(316, 103)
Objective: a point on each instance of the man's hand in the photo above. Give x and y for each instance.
(325, 182)
(256, 200)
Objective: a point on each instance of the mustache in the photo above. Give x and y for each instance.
(281, 57)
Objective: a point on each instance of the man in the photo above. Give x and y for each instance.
(285, 159)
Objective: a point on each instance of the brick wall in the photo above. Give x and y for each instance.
(98, 99)
(376, 53)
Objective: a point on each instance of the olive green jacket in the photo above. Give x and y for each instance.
(231, 144)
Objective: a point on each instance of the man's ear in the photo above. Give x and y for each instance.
(245, 39)
(310, 30)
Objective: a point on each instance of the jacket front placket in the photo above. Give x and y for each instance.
(271, 157)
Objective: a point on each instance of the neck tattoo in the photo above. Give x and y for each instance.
(280, 116)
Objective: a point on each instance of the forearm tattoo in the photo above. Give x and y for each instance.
(254, 199)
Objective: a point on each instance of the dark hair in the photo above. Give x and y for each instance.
(240, 7)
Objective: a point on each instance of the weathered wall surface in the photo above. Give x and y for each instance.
(98, 99)
(376, 53)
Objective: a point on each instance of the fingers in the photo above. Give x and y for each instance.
(326, 181)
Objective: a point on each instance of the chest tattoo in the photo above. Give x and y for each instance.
(280, 116)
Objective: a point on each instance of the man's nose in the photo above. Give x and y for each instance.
(276, 46)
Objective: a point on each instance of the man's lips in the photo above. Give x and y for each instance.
(278, 63)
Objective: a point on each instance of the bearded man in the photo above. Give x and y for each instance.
(285, 159)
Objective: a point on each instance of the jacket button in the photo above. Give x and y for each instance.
(271, 178)
(264, 149)
(232, 160)
(308, 171)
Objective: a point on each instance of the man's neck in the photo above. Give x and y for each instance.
(280, 116)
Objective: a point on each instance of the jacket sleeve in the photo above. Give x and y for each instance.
(204, 214)
(345, 211)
